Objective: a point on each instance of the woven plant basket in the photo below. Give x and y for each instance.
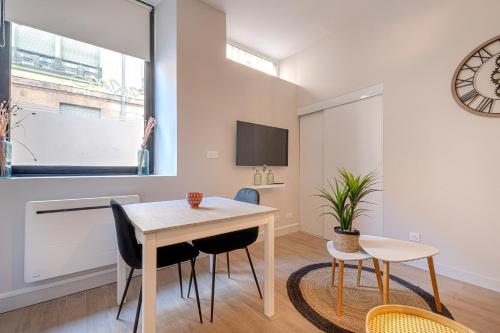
(346, 241)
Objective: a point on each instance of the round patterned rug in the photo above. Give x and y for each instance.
(311, 293)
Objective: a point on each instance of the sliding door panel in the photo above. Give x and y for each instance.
(352, 139)
(311, 172)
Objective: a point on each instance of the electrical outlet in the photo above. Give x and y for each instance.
(289, 215)
(414, 237)
(212, 154)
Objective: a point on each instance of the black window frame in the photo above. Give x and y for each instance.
(66, 170)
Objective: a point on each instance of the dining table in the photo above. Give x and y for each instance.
(164, 223)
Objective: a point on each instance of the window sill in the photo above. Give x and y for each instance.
(17, 178)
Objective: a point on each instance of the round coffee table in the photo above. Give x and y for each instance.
(342, 257)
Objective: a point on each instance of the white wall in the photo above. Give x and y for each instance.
(212, 94)
(440, 162)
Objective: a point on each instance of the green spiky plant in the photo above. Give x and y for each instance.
(346, 194)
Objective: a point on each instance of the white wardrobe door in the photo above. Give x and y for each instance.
(311, 172)
(353, 140)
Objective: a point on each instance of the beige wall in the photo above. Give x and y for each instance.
(440, 162)
(212, 94)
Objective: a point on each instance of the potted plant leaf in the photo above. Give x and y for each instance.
(344, 197)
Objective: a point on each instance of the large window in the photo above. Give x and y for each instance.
(88, 102)
(250, 59)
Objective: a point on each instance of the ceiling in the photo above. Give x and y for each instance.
(281, 28)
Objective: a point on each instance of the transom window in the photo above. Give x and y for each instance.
(250, 59)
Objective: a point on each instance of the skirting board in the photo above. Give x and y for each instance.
(460, 275)
(19, 298)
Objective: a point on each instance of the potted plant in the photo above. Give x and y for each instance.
(344, 197)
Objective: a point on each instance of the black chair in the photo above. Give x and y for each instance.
(131, 252)
(228, 242)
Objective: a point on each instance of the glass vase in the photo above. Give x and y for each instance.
(5, 158)
(270, 177)
(143, 162)
(257, 178)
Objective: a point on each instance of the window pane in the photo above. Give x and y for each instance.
(251, 60)
(89, 102)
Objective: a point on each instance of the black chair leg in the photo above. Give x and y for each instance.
(125, 292)
(253, 271)
(228, 269)
(180, 278)
(214, 263)
(193, 274)
(191, 280)
(138, 311)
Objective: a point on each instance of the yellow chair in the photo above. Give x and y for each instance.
(406, 319)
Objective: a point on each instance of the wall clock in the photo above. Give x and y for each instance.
(476, 82)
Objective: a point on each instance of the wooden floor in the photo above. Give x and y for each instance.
(238, 307)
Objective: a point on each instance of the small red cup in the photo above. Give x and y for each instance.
(194, 199)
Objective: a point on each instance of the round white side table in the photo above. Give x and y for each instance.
(342, 257)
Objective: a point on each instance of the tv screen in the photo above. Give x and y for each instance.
(261, 145)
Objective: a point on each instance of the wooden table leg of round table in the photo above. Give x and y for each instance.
(360, 267)
(437, 301)
(379, 278)
(386, 282)
(333, 272)
(340, 287)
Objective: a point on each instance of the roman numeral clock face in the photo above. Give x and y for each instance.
(476, 83)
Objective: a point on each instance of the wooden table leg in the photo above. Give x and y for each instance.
(437, 301)
(149, 283)
(386, 282)
(360, 268)
(269, 267)
(334, 263)
(379, 278)
(340, 287)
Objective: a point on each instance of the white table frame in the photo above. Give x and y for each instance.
(152, 240)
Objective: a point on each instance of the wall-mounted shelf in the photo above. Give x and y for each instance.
(263, 187)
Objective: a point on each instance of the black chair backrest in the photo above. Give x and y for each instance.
(129, 248)
(251, 196)
(248, 195)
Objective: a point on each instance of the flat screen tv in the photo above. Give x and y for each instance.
(261, 145)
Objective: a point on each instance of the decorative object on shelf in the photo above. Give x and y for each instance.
(343, 198)
(5, 158)
(7, 112)
(194, 199)
(257, 178)
(270, 177)
(476, 83)
(143, 153)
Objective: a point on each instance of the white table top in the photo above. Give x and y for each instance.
(395, 250)
(346, 256)
(155, 216)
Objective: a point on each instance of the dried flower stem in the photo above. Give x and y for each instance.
(148, 129)
(7, 111)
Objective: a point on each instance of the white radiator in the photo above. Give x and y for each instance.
(69, 236)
